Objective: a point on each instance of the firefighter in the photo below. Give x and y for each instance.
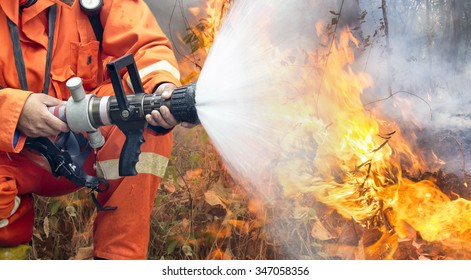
(46, 42)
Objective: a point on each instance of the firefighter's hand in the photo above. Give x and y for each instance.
(163, 117)
(36, 120)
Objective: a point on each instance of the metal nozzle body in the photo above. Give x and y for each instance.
(77, 115)
(87, 112)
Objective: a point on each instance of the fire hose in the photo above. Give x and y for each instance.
(87, 112)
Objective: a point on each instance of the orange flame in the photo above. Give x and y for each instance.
(201, 37)
(357, 169)
(358, 158)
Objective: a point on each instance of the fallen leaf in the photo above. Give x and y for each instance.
(170, 187)
(213, 199)
(318, 231)
(83, 253)
(194, 173)
(37, 234)
(46, 226)
(185, 223)
(227, 254)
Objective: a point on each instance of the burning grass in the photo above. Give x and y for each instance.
(201, 213)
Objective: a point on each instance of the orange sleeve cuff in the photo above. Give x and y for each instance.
(157, 79)
(11, 105)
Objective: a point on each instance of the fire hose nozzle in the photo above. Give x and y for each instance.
(183, 104)
(87, 112)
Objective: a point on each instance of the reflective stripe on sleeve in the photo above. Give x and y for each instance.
(162, 65)
(149, 163)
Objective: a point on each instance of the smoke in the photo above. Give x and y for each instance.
(416, 58)
(421, 72)
(175, 17)
(420, 68)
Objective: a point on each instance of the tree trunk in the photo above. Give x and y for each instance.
(388, 46)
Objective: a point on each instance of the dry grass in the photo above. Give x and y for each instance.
(199, 213)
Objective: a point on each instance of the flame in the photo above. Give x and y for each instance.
(430, 212)
(352, 160)
(359, 161)
(215, 10)
(200, 37)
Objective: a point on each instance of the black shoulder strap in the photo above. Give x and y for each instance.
(94, 18)
(97, 27)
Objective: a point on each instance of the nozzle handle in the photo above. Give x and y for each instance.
(130, 152)
(131, 124)
(113, 70)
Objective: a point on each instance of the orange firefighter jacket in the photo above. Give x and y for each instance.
(129, 27)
